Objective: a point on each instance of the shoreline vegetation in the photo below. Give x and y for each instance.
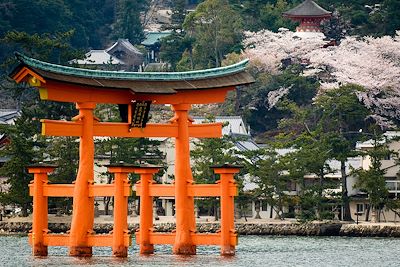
(251, 227)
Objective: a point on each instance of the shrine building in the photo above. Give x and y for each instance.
(310, 15)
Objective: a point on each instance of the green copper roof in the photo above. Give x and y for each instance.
(139, 76)
(153, 37)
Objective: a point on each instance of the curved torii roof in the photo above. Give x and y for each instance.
(307, 9)
(136, 82)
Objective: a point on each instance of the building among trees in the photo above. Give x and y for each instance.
(310, 15)
(122, 55)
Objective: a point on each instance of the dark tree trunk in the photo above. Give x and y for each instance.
(367, 213)
(345, 193)
(215, 210)
(24, 210)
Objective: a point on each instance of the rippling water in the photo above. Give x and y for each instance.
(252, 251)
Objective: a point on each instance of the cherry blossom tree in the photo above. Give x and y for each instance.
(373, 63)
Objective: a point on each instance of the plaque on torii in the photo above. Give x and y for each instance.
(87, 88)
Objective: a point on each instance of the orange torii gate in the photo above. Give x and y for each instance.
(86, 88)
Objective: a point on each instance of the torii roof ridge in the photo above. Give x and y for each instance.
(140, 76)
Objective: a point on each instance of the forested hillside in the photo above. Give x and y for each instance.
(315, 96)
(58, 31)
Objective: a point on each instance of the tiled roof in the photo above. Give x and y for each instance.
(8, 115)
(141, 82)
(125, 43)
(97, 57)
(307, 9)
(153, 37)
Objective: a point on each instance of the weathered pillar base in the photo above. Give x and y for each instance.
(146, 248)
(39, 250)
(184, 249)
(227, 251)
(80, 251)
(121, 252)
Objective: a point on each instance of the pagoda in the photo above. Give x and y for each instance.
(310, 15)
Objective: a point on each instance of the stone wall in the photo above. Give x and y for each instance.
(307, 229)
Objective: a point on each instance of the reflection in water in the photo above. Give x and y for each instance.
(252, 251)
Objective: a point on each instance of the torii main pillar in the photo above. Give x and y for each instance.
(83, 204)
(185, 220)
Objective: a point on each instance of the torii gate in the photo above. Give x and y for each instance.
(86, 88)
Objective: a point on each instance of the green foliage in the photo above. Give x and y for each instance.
(26, 145)
(22, 151)
(54, 48)
(91, 20)
(178, 14)
(270, 171)
(271, 16)
(173, 47)
(209, 152)
(372, 180)
(128, 23)
(262, 117)
(215, 35)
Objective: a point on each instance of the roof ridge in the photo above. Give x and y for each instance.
(188, 75)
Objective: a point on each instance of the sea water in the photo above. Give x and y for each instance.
(251, 251)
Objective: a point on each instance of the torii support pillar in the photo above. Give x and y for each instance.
(227, 180)
(40, 208)
(83, 204)
(122, 190)
(146, 207)
(184, 204)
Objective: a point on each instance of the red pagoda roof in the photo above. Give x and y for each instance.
(307, 9)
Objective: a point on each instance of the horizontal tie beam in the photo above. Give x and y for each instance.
(67, 190)
(114, 129)
(159, 238)
(195, 190)
(94, 240)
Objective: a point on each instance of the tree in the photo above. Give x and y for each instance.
(312, 154)
(338, 65)
(216, 28)
(372, 181)
(332, 124)
(21, 153)
(173, 48)
(342, 116)
(271, 16)
(178, 14)
(267, 101)
(209, 152)
(272, 174)
(128, 24)
(26, 145)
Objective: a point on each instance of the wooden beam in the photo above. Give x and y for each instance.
(206, 96)
(62, 240)
(25, 74)
(206, 130)
(195, 190)
(115, 129)
(158, 238)
(68, 92)
(64, 92)
(67, 190)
